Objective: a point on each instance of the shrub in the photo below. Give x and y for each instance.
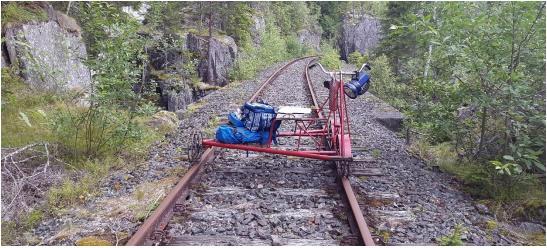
(330, 57)
(357, 59)
(17, 12)
(93, 132)
(273, 49)
(384, 83)
(453, 239)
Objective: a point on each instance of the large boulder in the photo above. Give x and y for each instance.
(175, 92)
(49, 54)
(310, 38)
(222, 57)
(359, 33)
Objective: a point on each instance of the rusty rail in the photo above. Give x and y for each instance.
(165, 209)
(364, 232)
(158, 220)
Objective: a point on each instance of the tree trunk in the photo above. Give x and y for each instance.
(68, 7)
(430, 49)
(209, 55)
(483, 131)
(200, 14)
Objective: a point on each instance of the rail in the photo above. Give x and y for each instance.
(153, 227)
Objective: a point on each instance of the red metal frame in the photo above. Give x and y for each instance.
(337, 132)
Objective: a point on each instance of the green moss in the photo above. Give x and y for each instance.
(491, 224)
(385, 236)
(16, 12)
(93, 241)
(376, 153)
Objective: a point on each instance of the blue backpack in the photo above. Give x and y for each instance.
(258, 116)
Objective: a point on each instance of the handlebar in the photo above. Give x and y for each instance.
(332, 73)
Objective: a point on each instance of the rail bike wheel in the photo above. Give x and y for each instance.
(195, 147)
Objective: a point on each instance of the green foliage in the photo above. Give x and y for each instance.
(24, 111)
(330, 57)
(239, 23)
(357, 59)
(273, 49)
(291, 17)
(331, 17)
(20, 12)
(524, 192)
(93, 132)
(103, 22)
(453, 239)
(76, 191)
(385, 84)
(491, 66)
(32, 219)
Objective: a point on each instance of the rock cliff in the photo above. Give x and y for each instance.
(223, 55)
(359, 33)
(310, 38)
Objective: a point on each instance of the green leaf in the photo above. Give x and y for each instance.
(24, 117)
(508, 157)
(540, 166)
(41, 112)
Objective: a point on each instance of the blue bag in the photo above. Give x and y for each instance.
(234, 120)
(258, 116)
(246, 136)
(227, 134)
(240, 135)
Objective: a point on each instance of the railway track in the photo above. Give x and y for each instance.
(233, 198)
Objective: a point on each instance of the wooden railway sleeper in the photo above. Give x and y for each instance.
(178, 208)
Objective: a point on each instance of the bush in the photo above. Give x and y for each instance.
(384, 83)
(453, 239)
(357, 59)
(273, 49)
(521, 195)
(94, 132)
(330, 58)
(17, 12)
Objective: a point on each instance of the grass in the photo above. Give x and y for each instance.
(28, 116)
(376, 153)
(193, 107)
(453, 239)
(72, 192)
(17, 12)
(19, 100)
(211, 127)
(509, 197)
